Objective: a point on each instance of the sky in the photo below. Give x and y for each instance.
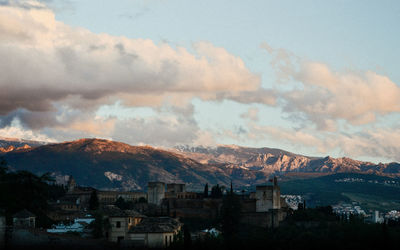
(313, 77)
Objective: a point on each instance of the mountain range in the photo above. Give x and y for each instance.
(114, 165)
(272, 160)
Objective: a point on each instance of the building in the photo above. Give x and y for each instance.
(24, 219)
(154, 232)
(268, 197)
(68, 203)
(71, 185)
(77, 197)
(80, 195)
(2, 231)
(265, 207)
(155, 192)
(174, 188)
(120, 222)
(110, 197)
(130, 228)
(376, 218)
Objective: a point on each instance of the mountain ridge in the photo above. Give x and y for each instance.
(277, 160)
(115, 165)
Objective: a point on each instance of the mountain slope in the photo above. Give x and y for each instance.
(107, 164)
(270, 160)
(371, 191)
(114, 165)
(11, 144)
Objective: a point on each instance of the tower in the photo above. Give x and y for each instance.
(268, 197)
(155, 192)
(71, 185)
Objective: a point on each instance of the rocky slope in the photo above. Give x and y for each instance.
(11, 144)
(12, 148)
(114, 165)
(270, 160)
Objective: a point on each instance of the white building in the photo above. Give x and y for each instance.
(376, 218)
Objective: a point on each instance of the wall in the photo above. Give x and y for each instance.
(151, 240)
(155, 192)
(264, 219)
(116, 232)
(176, 188)
(263, 198)
(2, 231)
(193, 208)
(157, 240)
(268, 197)
(110, 197)
(24, 222)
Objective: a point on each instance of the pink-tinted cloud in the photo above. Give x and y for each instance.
(326, 96)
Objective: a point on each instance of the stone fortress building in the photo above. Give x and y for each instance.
(264, 207)
(155, 192)
(268, 197)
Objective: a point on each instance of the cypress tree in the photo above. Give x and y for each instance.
(93, 201)
(206, 191)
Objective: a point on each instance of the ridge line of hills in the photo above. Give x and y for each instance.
(115, 165)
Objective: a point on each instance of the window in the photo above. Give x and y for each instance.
(120, 238)
(166, 241)
(118, 224)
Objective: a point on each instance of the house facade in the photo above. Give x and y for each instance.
(154, 232)
(130, 228)
(120, 222)
(24, 219)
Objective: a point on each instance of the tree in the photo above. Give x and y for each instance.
(123, 204)
(120, 203)
(24, 190)
(216, 192)
(187, 239)
(230, 216)
(3, 167)
(142, 200)
(206, 191)
(93, 201)
(99, 225)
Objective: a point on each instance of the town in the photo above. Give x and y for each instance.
(141, 219)
(164, 216)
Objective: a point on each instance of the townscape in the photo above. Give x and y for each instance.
(165, 216)
(192, 125)
(141, 219)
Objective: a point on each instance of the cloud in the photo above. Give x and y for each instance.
(290, 136)
(25, 4)
(375, 143)
(161, 130)
(252, 114)
(326, 96)
(50, 64)
(15, 130)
